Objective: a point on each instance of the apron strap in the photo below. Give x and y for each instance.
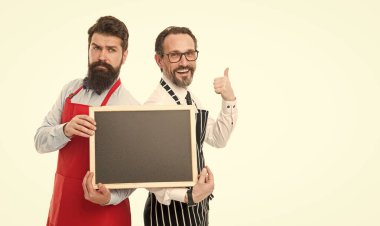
(170, 91)
(75, 93)
(112, 90)
(109, 94)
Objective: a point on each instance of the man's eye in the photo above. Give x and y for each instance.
(174, 55)
(190, 53)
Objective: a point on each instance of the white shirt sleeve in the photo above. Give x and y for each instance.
(49, 136)
(118, 195)
(218, 131)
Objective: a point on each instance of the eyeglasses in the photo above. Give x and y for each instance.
(175, 57)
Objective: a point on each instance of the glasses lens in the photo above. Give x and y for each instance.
(174, 57)
(191, 55)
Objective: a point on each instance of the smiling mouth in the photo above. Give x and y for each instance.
(183, 71)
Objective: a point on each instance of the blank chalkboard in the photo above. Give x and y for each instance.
(143, 146)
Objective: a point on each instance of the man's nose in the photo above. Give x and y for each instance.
(103, 55)
(183, 61)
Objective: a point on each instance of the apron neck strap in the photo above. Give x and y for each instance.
(112, 90)
(170, 91)
(75, 93)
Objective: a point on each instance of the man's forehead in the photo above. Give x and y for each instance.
(180, 42)
(105, 40)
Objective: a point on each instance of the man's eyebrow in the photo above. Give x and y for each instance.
(94, 44)
(177, 51)
(108, 47)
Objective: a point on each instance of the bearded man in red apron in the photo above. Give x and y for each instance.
(67, 128)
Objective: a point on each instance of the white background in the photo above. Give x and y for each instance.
(306, 149)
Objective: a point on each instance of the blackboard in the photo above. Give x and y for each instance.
(143, 146)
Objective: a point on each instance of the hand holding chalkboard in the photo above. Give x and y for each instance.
(204, 186)
(100, 196)
(80, 125)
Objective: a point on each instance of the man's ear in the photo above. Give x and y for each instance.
(125, 54)
(158, 59)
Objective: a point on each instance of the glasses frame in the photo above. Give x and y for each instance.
(181, 54)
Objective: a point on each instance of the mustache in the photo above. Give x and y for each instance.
(100, 63)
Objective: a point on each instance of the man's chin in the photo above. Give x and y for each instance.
(183, 77)
(183, 82)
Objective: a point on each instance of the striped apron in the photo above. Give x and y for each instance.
(178, 213)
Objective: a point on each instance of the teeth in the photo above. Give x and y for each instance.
(183, 70)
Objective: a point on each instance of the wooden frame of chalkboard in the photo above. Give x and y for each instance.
(143, 146)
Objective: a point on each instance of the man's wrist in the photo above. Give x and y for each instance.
(64, 131)
(189, 196)
(106, 202)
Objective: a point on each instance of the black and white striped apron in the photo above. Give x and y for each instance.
(178, 213)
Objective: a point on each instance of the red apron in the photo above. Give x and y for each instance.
(68, 206)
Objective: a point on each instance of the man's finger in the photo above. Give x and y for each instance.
(77, 128)
(102, 188)
(226, 72)
(84, 184)
(84, 130)
(86, 124)
(79, 122)
(219, 83)
(87, 118)
(210, 175)
(81, 134)
(202, 177)
(90, 188)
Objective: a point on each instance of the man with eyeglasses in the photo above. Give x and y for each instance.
(176, 55)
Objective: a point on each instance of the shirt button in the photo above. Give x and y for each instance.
(228, 106)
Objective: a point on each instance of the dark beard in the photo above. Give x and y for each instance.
(100, 79)
(182, 83)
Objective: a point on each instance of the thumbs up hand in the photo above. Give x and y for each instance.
(222, 85)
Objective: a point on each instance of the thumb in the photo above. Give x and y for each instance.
(202, 177)
(226, 72)
(102, 188)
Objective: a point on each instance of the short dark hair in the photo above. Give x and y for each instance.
(109, 25)
(171, 30)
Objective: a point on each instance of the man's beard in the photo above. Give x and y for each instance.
(181, 82)
(100, 79)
